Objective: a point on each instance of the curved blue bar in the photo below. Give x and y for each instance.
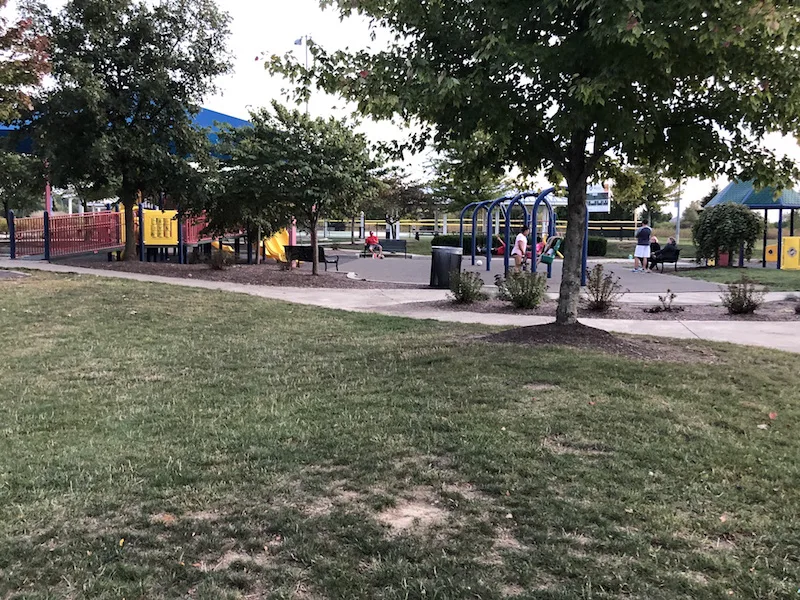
(516, 200)
(461, 230)
(489, 234)
(551, 230)
(481, 205)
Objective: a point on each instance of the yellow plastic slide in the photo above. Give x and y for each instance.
(225, 247)
(274, 246)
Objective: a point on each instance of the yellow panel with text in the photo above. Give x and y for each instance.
(161, 228)
(791, 254)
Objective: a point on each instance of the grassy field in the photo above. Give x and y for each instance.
(776, 281)
(161, 442)
(421, 246)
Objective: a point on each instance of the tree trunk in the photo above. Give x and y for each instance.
(570, 293)
(353, 231)
(314, 248)
(6, 210)
(128, 203)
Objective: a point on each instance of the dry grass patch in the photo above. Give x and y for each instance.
(560, 445)
(416, 513)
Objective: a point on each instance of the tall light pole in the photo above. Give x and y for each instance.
(678, 207)
(303, 41)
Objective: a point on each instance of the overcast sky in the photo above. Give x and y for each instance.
(266, 27)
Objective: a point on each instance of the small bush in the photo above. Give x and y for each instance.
(603, 288)
(221, 259)
(598, 246)
(743, 297)
(666, 304)
(466, 287)
(523, 290)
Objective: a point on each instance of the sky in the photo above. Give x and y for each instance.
(264, 27)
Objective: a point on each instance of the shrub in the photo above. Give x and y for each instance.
(603, 288)
(797, 308)
(523, 290)
(466, 287)
(598, 246)
(221, 259)
(743, 297)
(666, 304)
(726, 228)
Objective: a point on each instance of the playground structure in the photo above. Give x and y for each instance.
(785, 254)
(506, 205)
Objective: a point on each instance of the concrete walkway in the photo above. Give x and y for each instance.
(777, 335)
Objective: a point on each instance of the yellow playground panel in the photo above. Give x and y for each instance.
(791, 254)
(772, 253)
(160, 227)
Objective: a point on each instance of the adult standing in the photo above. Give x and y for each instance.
(642, 253)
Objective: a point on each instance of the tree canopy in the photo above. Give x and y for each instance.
(21, 183)
(129, 77)
(645, 186)
(690, 84)
(290, 165)
(23, 62)
(399, 196)
(726, 228)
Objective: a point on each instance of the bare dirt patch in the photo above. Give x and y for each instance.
(265, 274)
(505, 540)
(231, 557)
(419, 512)
(561, 445)
(166, 519)
(540, 387)
(202, 515)
(589, 338)
(511, 591)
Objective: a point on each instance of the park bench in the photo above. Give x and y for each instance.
(666, 256)
(306, 254)
(391, 246)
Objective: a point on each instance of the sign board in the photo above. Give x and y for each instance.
(598, 199)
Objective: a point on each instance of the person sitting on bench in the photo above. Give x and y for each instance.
(669, 251)
(373, 245)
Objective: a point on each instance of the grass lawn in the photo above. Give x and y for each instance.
(776, 281)
(160, 442)
(617, 249)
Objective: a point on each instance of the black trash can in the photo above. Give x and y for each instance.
(444, 260)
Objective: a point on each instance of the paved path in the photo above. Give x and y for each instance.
(777, 335)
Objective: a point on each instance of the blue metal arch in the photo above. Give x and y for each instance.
(485, 206)
(551, 230)
(516, 200)
(463, 214)
(489, 235)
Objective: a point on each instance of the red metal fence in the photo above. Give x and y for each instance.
(29, 236)
(87, 232)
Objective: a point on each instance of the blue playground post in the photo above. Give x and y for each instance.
(551, 227)
(12, 235)
(181, 255)
(461, 228)
(489, 228)
(47, 236)
(780, 238)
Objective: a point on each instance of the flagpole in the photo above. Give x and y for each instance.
(306, 44)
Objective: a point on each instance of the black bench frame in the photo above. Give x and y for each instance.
(305, 254)
(391, 246)
(673, 258)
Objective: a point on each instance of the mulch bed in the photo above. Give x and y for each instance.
(770, 311)
(588, 338)
(265, 274)
(9, 275)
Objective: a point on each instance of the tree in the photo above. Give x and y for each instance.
(644, 186)
(460, 175)
(129, 79)
(21, 183)
(691, 214)
(398, 197)
(23, 62)
(726, 228)
(709, 196)
(291, 165)
(691, 84)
